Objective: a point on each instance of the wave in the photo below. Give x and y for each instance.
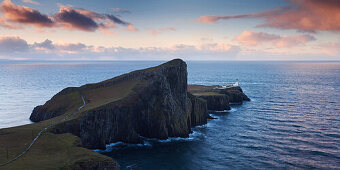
(149, 142)
(223, 111)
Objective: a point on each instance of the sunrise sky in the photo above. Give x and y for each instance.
(164, 29)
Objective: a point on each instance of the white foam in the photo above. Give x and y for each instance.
(148, 142)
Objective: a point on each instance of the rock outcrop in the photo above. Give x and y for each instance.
(235, 94)
(150, 103)
(217, 102)
(218, 99)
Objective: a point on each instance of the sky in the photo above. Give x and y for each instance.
(163, 29)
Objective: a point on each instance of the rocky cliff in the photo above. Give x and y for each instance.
(218, 99)
(199, 110)
(151, 103)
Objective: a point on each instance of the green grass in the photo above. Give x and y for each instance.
(51, 151)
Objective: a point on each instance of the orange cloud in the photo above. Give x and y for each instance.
(132, 28)
(251, 38)
(303, 15)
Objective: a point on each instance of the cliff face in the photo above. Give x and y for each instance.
(217, 102)
(235, 94)
(198, 110)
(151, 103)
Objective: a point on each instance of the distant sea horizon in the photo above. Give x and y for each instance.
(163, 60)
(292, 120)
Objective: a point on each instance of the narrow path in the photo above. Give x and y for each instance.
(44, 130)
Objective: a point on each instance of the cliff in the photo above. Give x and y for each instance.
(150, 103)
(218, 99)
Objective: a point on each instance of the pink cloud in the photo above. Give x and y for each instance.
(16, 16)
(161, 30)
(214, 19)
(4, 23)
(331, 48)
(31, 2)
(251, 38)
(24, 15)
(303, 15)
(132, 28)
(293, 40)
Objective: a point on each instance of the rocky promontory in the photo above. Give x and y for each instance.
(152, 103)
(155, 102)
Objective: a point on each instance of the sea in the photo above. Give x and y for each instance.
(291, 122)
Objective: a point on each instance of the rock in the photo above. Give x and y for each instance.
(235, 94)
(218, 99)
(62, 102)
(199, 110)
(216, 102)
(150, 103)
(104, 165)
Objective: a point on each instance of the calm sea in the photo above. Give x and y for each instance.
(293, 120)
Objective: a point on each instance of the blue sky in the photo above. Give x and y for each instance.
(160, 29)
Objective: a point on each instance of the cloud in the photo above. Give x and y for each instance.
(132, 28)
(72, 19)
(302, 15)
(17, 48)
(214, 19)
(116, 20)
(15, 17)
(161, 30)
(86, 20)
(331, 48)
(31, 2)
(45, 45)
(5, 24)
(207, 39)
(293, 40)
(252, 38)
(24, 15)
(12, 45)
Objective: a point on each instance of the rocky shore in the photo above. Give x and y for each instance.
(155, 102)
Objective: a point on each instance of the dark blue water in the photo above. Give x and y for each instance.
(293, 120)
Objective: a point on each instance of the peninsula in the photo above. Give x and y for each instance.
(155, 102)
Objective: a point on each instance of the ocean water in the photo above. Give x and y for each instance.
(291, 122)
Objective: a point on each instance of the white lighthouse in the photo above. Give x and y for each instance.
(236, 83)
